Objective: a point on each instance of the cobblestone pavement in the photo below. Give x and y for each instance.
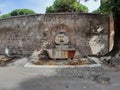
(20, 78)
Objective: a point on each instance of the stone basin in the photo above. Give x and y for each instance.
(61, 54)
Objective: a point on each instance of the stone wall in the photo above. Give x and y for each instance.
(88, 33)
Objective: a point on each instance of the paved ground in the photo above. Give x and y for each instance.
(16, 77)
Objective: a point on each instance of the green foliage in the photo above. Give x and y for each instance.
(50, 9)
(79, 7)
(108, 7)
(66, 6)
(5, 16)
(18, 12)
(21, 12)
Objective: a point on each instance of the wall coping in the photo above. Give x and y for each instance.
(52, 14)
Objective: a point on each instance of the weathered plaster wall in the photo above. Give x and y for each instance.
(111, 40)
(88, 33)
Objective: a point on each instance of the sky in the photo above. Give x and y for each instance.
(39, 6)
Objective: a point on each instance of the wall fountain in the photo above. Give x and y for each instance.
(62, 49)
(64, 58)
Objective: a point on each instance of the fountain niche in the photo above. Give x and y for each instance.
(62, 48)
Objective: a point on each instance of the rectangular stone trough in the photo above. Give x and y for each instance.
(61, 54)
(84, 71)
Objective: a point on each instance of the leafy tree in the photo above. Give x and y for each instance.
(66, 6)
(5, 16)
(21, 12)
(105, 8)
(18, 12)
(50, 9)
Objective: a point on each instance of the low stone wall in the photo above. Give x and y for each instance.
(88, 33)
(69, 71)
